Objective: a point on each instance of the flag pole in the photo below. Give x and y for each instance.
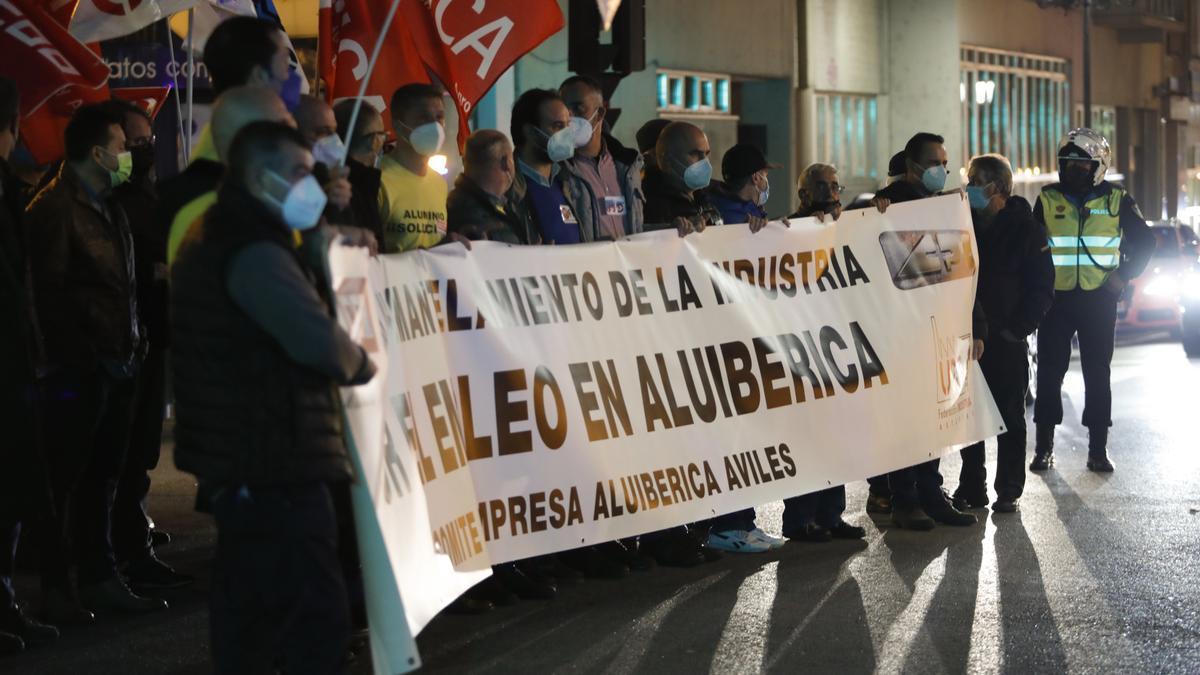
(183, 138)
(191, 76)
(366, 80)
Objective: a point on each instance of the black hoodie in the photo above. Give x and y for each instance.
(1016, 273)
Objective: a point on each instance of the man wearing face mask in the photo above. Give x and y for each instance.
(481, 205)
(1099, 242)
(819, 192)
(1015, 288)
(916, 500)
(246, 50)
(647, 139)
(85, 290)
(131, 522)
(412, 201)
(543, 138)
(742, 197)
(257, 359)
(604, 178)
(362, 161)
(676, 194)
(316, 123)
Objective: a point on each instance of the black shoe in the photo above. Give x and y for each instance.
(1042, 461)
(629, 555)
(879, 504)
(945, 514)
(552, 566)
(1043, 453)
(114, 596)
(965, 500)
(595, 564)
(912, 519)
(158, 538)
(523, 585)
(34, 633)
(711, 554)
(677, 549)
(844, 530)
(10, 644)
(1099, 462)
(1006, 505)
(810, 532)
(62, 608)
(152, 574)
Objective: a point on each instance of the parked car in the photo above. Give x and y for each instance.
(1152, 301)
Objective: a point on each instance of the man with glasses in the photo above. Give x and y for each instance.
(819, 192)
(362, 160)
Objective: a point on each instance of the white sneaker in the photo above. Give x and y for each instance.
(736, 541)
(762, 537)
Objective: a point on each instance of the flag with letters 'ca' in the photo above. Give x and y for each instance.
(469, 45)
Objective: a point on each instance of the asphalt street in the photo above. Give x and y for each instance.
(1095, 574)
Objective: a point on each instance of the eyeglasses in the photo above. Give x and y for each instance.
(141, 142)
(833, 188)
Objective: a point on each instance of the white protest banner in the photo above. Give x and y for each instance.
(536, 399)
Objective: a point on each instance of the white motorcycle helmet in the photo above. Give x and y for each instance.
(1087, 144)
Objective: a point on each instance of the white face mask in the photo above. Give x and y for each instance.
(329, 151)
(583, 129)
(765, 194)
(427, 138)
(561, 145)
(305, 201)
(698, 175)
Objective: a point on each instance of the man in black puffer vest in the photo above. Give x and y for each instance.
(1016, 289)
(257, 358)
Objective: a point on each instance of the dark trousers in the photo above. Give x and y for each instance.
(738, 520)
(86, 432)
(1093, 316)
(919, 485)
(1005, 366)
(278, 596)
(825, 508)
(879, 486)
(131, 524)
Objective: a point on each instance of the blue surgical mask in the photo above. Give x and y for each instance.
(290, 92)
(976, 197)
(934, 178)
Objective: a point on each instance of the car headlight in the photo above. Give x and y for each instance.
(1162, 286)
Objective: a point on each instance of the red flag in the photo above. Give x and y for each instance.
(325, 48)
(54, 72)
(354, 26)
(470, 44)
(149, 99)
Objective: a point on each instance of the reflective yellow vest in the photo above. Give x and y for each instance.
(1084, 243)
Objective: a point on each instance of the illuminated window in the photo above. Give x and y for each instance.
(846, 137)
(1015, 104)
(702, 93)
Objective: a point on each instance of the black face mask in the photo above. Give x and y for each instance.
(143, 159)
(827, 207)
(1076, 180)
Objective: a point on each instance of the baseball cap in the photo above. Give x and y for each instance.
(647, 136)
(743, 160)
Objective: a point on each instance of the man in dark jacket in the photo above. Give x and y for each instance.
(24, 486)
(1015, 289)
(131, 522)
(742, 196)
(85, 292)
(257, 358)
(604, 178)
(675, 189)
(481, 204)
(917, 500)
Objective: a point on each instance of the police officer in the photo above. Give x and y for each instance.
(1099, 242)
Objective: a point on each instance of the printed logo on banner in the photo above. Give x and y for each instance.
(952, 361)
(921, 258)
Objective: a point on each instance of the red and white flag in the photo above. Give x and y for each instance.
(149, 99)
(96, 20)
(54, 72)
(353, 30)
(469, 45)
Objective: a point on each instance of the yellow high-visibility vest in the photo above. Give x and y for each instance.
(1085, 244)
